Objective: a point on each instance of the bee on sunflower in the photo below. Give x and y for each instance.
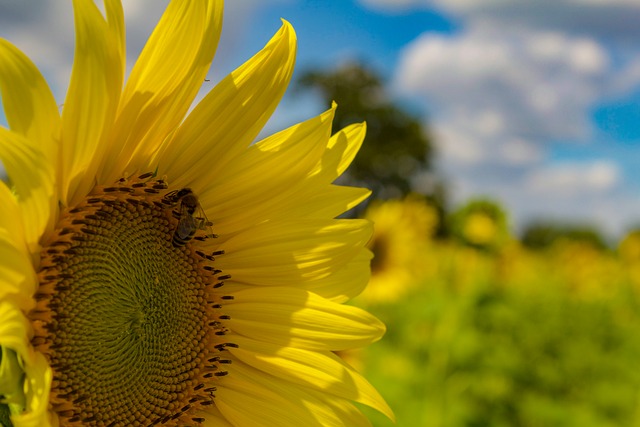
(106, 317)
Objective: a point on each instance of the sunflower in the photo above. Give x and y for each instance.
(481, 224)
(403, 230)
(157, 266)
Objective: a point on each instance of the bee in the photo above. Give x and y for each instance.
(191, 216)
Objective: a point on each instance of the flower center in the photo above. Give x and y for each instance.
(128, 308)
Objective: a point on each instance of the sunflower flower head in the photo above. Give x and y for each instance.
(404, 229)
(160, 268)
(481, 224)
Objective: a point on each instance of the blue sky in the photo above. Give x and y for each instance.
(535, 103)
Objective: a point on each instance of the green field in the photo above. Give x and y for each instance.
(505, 336)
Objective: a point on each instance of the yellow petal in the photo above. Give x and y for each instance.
(11, 379)
(249, 397)
(228, 119)
(342, 149)
(17, 277)
(288, 316)
(37, 386)
(345, 283)
(324, 201)
(212, 417)
(32, 176)
(342, 285)
(15, 333)
(246, 190)
(115, 21)
(289, 252)
(90, 106)
(11, 220)
(163, 83)
(18, 281)
(323, 371)
(29, 105)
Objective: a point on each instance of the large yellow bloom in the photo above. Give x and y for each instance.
(118, 306)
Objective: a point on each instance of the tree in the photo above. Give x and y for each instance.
(543, 234)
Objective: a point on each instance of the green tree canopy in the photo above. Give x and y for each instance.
(542, 234)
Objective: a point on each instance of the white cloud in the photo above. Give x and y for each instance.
(614, 20)
(458, 146)
(517, 79)
(520, 152)
(44, 31)
(460, 6)
(502, 92)
(571, 179)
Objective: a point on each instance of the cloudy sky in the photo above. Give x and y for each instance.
(535, 103)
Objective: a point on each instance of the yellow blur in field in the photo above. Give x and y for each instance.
(480, 229)
(402, 230)
(483, 331)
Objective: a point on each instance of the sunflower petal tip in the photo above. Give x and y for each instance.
(286, 24)
(288, 31)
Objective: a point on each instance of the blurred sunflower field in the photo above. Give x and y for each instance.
(484, 330)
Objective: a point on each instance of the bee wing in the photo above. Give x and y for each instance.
(201, 220)
(186, 226)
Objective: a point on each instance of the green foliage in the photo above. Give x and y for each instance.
(492, 357)
(512, 338)
(396, 146)
(5, 421)
(541, 235)
(5, 412)
(480, 223)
